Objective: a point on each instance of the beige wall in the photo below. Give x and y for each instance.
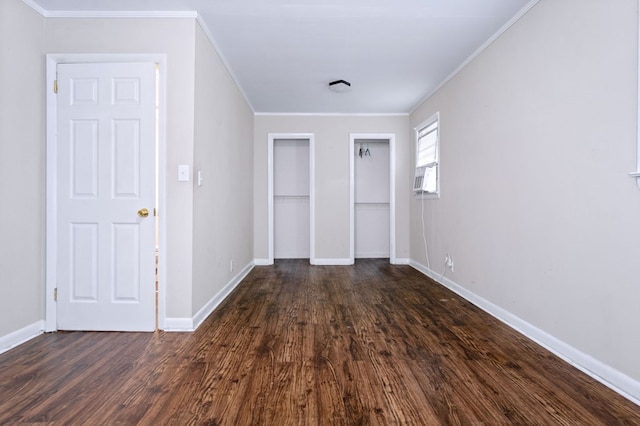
(332, 230)
(538, 135)
(223, 205)
(176, 39)
(22, 173)
(207, 226)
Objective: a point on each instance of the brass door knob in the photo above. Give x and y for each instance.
(143, 212)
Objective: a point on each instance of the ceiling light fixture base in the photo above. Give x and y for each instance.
(340, 86)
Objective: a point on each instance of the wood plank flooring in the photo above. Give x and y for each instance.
(309, 345)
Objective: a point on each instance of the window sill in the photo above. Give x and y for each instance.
(427, 195)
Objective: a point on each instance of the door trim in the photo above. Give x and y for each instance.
(391, 137)
(312, 197)
(51, 174)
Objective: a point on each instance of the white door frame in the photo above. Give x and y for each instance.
(391, 137)
(51, 175)
(312, 197)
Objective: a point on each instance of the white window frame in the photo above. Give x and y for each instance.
(435, 166)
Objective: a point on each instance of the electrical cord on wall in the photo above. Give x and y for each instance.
(444, 269)
(424, 235)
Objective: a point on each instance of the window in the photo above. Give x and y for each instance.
(427, 157)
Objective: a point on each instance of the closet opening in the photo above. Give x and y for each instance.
(372, 197)
(291, 197)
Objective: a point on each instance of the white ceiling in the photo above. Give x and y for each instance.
(284, 53)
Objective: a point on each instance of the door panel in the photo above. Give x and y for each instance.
(106, 174)
(84, 257)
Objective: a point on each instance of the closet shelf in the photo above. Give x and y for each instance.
(292, 197)
(372, 203)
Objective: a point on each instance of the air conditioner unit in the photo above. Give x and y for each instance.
(418, 182)
(424, 175)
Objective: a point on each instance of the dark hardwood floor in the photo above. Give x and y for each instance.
(303, 345)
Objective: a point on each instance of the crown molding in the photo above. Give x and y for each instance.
(110, 14)
(33, 5)
(214, 44)
(146, 15)
(329, 114)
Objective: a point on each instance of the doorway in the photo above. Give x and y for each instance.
(372, 196)
(104, 153)
(291, 196)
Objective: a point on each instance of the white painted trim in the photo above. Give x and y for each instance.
(391, 137)
(144, 14)
(215, 301)
(402, 261)
(270, 201)
(51, 257)
(478, 51)
(330, 114)
(262, 262)
(162, 196)
(35, 6)
(312, 199)
(192, 324)
(604, 373)
(21, 336)
(330, 262)
(433, 118)
(352, 214)
(312, 191)
(122, 14)
(178, 324)
(374, 255)
(53, 60)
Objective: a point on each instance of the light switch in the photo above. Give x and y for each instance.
(200, 177)
(183, 173)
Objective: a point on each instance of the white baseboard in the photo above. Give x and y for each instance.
(18, 337)
(262, 262)
(372, 255)
(178, 324)
(218, 298)
(604, 373)
(402, 261)
(329, 262)
(191, 324)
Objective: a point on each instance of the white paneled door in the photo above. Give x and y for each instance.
(106, 196)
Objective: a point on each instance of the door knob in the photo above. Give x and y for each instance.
(143, 212)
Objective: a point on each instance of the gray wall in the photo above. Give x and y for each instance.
(538, 135)
(176, 39)
(223, 205)
(332, 133)
(22, 172)
(218, 139)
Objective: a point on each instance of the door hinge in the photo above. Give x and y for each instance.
(155, 212)
(55, 294)
(55, 86)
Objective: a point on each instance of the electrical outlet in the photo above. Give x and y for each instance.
(449, 261)
(231, 266)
